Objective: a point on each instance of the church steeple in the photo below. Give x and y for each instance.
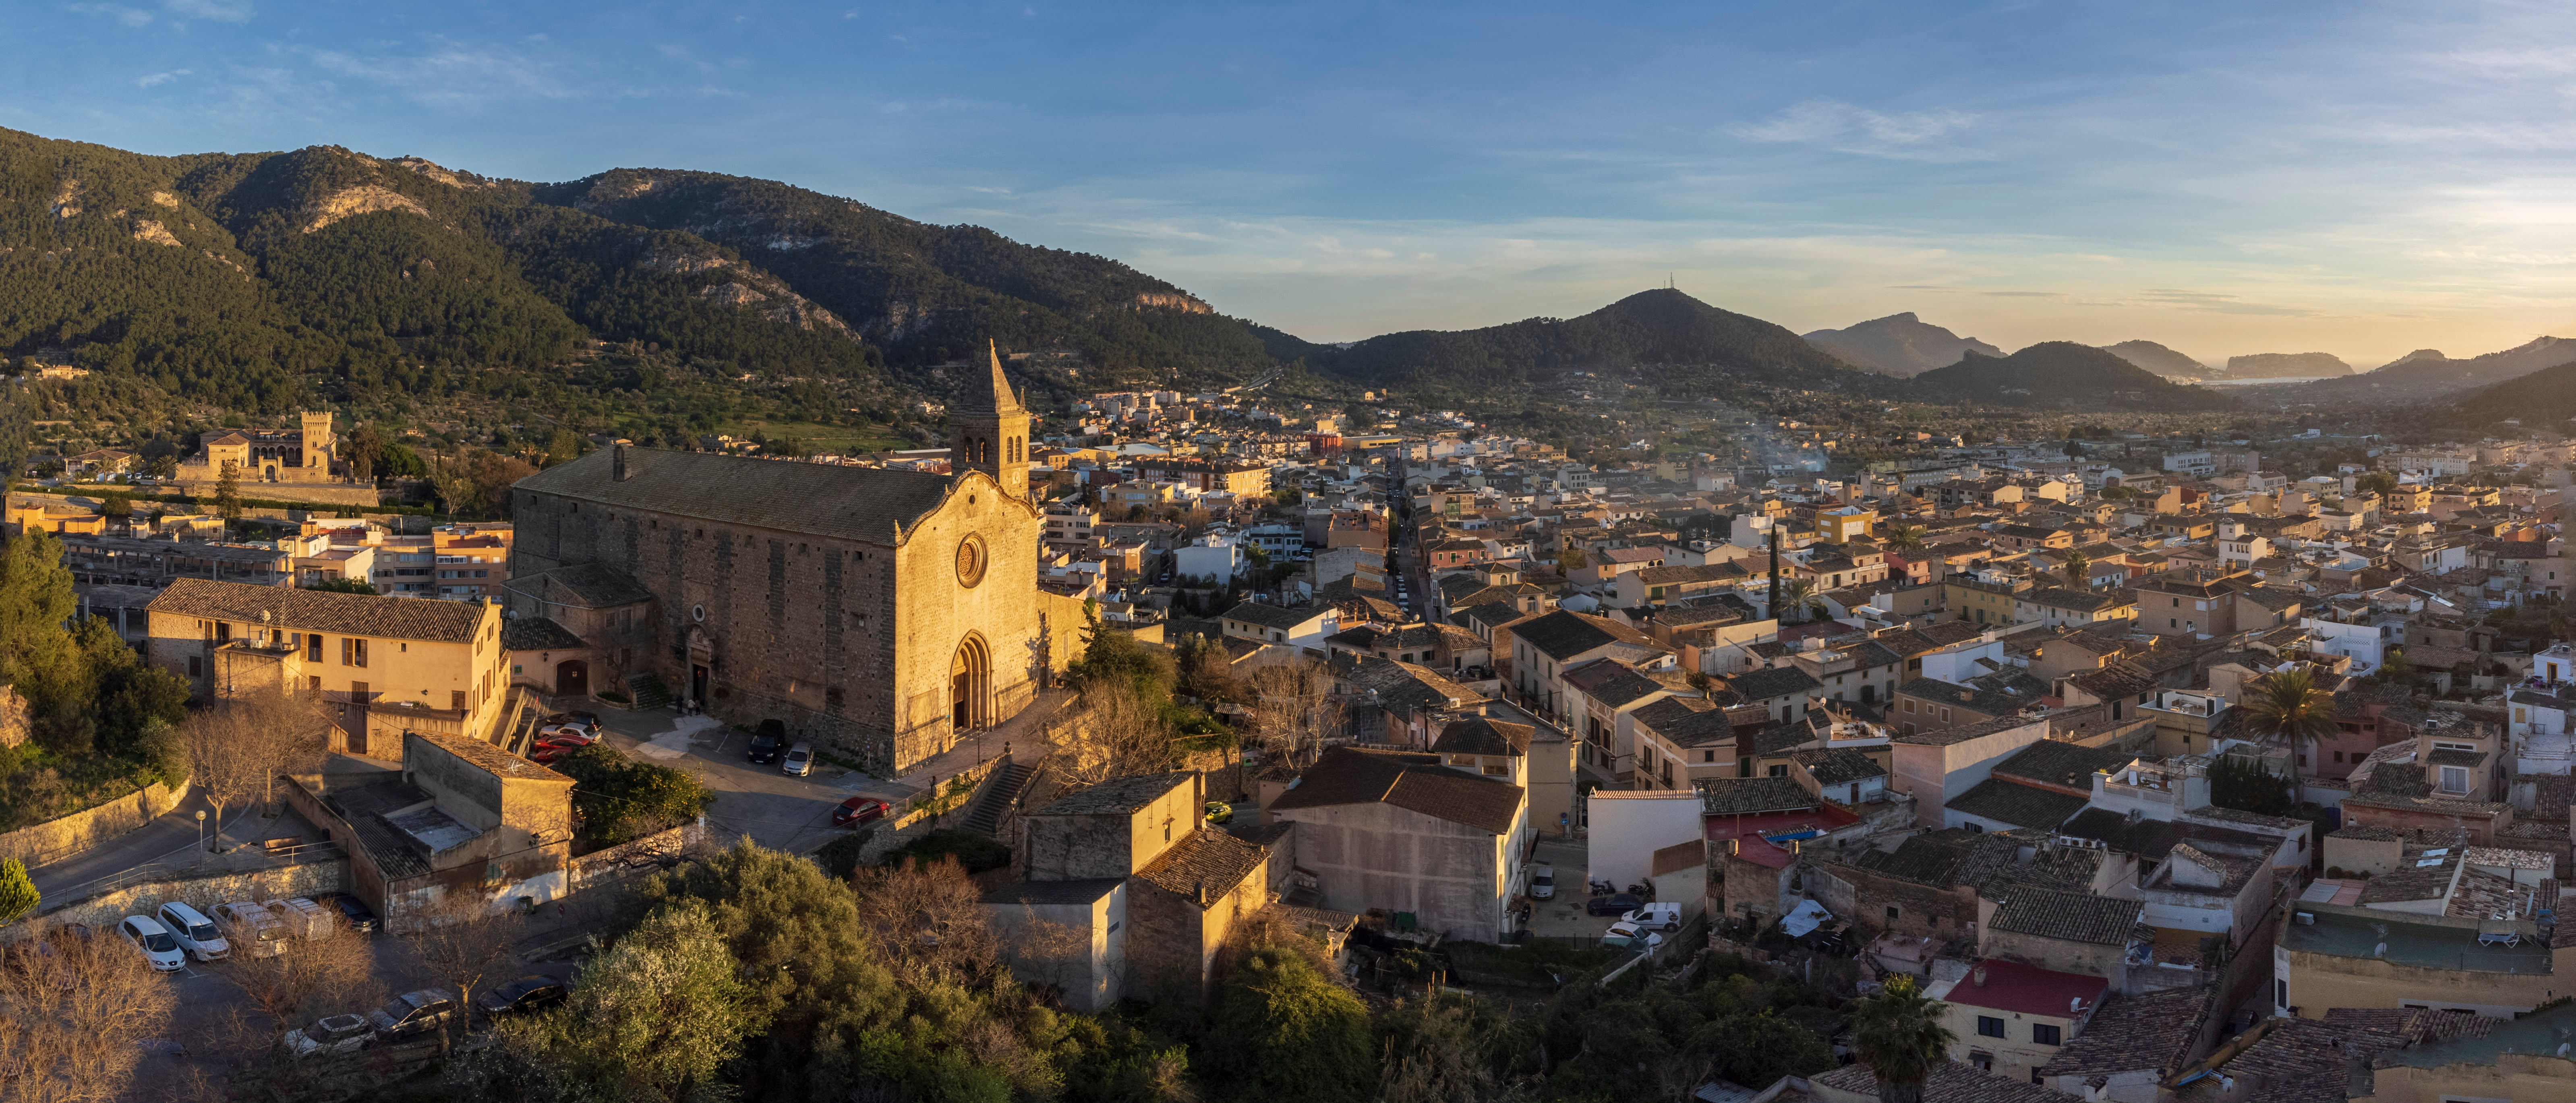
(989, 431)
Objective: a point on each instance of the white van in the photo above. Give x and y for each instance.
(250, 927)
(303, 918)
(1542, 882)
(195, 932)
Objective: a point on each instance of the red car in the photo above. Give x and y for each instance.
(548, 754)
(859, 810)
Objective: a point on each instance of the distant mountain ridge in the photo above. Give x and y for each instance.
(2544, 399)
(2272, 365)
(2158, 359)
(1899, 345)
(2428, 374)
(1663, 327)
(2065, 375)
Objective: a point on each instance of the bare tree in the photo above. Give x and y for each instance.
(78, 1005)
(1117, 733)
(464, 943)
(1294, 710)
(927, 922)
(329, 975)
(240, 745)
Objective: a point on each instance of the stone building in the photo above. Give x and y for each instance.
(308, 455)
(886, 612)
(464, 820)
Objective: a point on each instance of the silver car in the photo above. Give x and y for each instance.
(799, 761)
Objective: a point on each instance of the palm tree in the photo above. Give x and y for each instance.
(1905, 537)
(1800, 594)
(2079, 570)
(1898, 1034)
(2291, 706)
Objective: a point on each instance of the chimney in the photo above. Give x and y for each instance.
(1967, 695)
(617, 470)
(1199, 889)
(1979, 976)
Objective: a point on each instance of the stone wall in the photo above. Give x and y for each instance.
(201, 892)
(336, 494)
(627, 859)
(91, 826)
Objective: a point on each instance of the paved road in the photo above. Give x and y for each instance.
(170, 839)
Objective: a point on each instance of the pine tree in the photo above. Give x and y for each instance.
(18, 895)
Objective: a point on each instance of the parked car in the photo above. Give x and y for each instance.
(1663, 917)
(351, 911)
(547, 754)
(799, 761)
(412, 1013)
(1632, 937)
(569, 734)
(250, 927)
(303, 918)
(1219, 811)
(195, 933)
(859, 810)
(1617, 903)
(533, 992)
(1542, 885)
(331, 1034)
(153, 941)
(768, 741)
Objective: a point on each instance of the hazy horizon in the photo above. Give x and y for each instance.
(2363, 180)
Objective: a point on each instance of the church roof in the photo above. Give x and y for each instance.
(853, 503)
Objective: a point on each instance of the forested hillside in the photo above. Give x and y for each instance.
(2064, 375)
(1685, 340)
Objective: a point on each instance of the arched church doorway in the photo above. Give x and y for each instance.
(970, 683)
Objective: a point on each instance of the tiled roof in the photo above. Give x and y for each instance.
(537, 634)
(2017, 804)
(1946, 736)
(2070, 916)
(1775, 682)
(1687, 722)
(1839, 766)
(1734, 795)
(1950, 1082)
(1563, 634)
(1125, 794)
(493, 760)
(1483, 736)
(583, 585)
(1208, 858)
(855, 503)
(2152, 1033)
(404, 618)
(1268, 615)
(2059, 763)
(2028, 989)
(1347, 775)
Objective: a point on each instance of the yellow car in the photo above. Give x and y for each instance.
(1219, 811)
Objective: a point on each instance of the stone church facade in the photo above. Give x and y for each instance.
(884, 613)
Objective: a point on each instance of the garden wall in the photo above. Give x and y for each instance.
(90, 827)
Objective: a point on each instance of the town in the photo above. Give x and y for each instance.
(2147, 768)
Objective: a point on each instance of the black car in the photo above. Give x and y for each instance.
(352, 912)
(1617, 903)
(768, 741)
(534, 992)
(412, 1013)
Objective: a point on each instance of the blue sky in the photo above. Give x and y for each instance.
(2356, 178)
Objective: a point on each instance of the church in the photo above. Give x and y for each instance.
(881, 614)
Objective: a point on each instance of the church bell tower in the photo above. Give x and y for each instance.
(988, 431)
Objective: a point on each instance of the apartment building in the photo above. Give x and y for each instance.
(390, 664)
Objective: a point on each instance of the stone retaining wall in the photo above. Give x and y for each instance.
(635, 856)
(90, 827)
(201, 892)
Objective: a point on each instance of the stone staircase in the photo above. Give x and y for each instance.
(1008, 783)
(649, 693)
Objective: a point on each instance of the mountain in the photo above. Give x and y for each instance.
(2545, 399)
(2427, 374)
(2429, 366)
(2159, 359)
(2271, 365)
(268, 281)
(2064, 375)
(1899, 344)
(1679, 340)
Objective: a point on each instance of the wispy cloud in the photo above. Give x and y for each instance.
(1843, 127)
(160, 78)
(131, 17)
(222, 11)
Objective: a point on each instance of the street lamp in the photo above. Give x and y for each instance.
(201, 828)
